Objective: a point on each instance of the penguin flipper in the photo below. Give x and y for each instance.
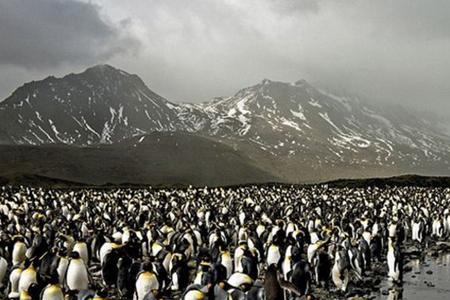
(290, 287)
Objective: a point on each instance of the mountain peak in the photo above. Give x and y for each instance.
(101, 69)
(266, 81)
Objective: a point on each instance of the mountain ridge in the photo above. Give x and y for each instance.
(310, 133)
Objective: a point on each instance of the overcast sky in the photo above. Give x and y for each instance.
(193, 50)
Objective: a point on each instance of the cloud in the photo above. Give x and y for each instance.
(47, 33)
(395, 51)
(193, 50)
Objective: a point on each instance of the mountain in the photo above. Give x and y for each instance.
(293, 132)
(317, 131)
(100, 105)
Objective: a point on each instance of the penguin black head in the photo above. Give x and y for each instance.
(54, 278)
(34, 291)
(147, 266)
(75, 255)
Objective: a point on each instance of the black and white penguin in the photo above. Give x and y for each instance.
(226, 260)
(394, 261)
(14, 278)
(273, 255)
(195, 292)
(53, 290)
(356, 260)
(146, 282)
(82, 248)
(340, 271)
(249, 264)
(62, 262)
(28, 276)
(179, 272)
(240, 281)
(3, 270)
(109, 267)
(322, 268)
(19, 251)
(300, 276)
(417, 230)
(376, 247)
(77, 275)
(204, 274)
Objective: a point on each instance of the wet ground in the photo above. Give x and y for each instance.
(429, 279)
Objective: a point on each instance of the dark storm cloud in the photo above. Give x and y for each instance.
(45, 33)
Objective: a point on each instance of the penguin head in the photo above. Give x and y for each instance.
(54, 278)
(147, 266)
(75, 255)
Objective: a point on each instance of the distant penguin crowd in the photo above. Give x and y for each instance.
(254, 242)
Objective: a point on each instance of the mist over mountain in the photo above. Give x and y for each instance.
(291, 132)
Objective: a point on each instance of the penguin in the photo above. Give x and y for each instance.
(364, 250)
(437, 227)
(61, 268)
(394, 261)
(146, 282)
(356, 260)
(123, 284)
(27, 277)
(3, 270)
(417, 230)
(194, 293)
(249, 264)
(241, 281)
(376, 246)
(82, 249)
(53, 290)
(204, 274)
(286, 266)
(273, 255)
(227, 262)
(109, 267)
(275, 287)
(179, 272)
(300, 276)
(25, 295)
(77, 275)
(339, 272)
(19, 251)
(14, 278)
(322, 268)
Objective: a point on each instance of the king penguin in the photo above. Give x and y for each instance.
(53, 290)
(77, 276)
(394, 260)
(146, 282)
(27, 277)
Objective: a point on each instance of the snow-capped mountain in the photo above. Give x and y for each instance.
(292, 130)
(300, 120)
(100, 105)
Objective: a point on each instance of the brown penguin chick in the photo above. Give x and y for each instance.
(273, 289)
(275, 286)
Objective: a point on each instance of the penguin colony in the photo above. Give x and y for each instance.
(272, 242)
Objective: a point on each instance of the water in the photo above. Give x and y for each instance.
(419, 285)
